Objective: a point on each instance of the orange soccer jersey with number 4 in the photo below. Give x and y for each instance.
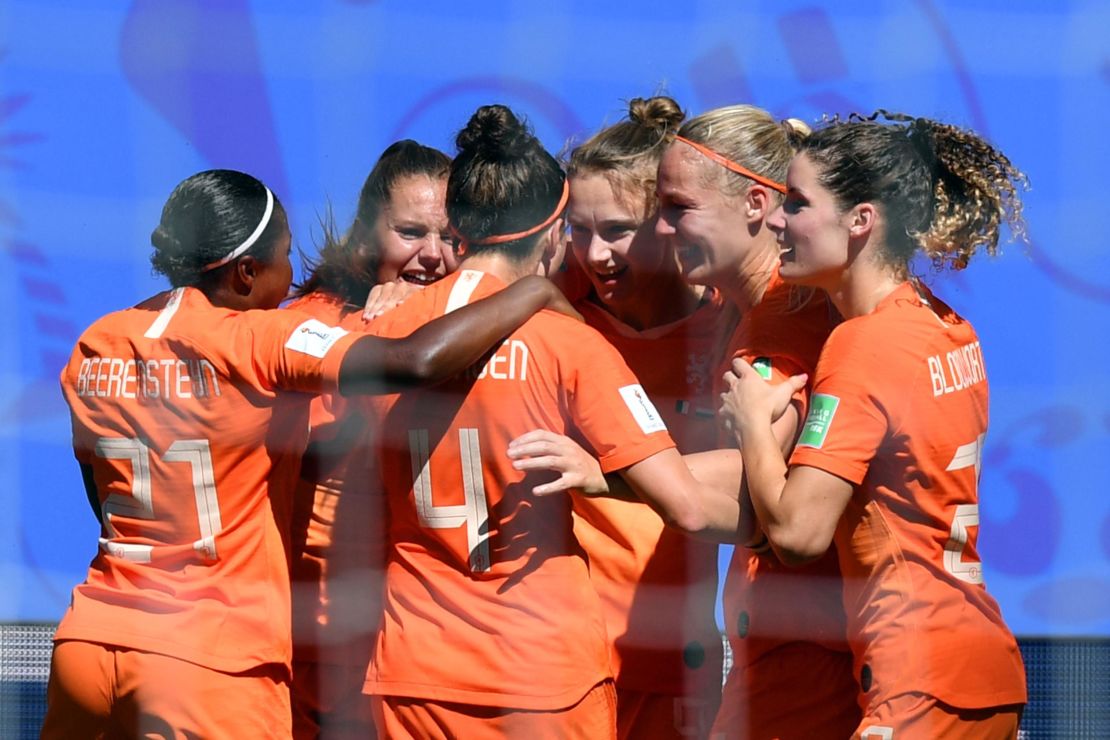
(899, 410)
(488, 599)
(179, 412)
(658, 586)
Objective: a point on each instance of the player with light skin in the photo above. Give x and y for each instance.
(478, 567)
(887, 465)
(717, 184)
(189, 419)
(399, 235)
(658, 587)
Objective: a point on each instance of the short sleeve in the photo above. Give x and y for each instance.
(297, 353)
(608, 405)
(847, 419)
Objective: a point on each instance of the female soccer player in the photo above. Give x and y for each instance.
(491, 626)
(888, 461)
(718, 182)
(657, 587)
(190, 414)
(399, 233)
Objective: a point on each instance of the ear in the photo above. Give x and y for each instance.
(244, 273)
(758, 203)
(554, 245)
(862, 220)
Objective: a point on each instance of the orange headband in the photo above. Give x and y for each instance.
(729, 164)
(503, 238)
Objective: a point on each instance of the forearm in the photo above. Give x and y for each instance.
(442, 348)
(766, 477)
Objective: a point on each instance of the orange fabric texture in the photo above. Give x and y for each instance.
(658, 586)
(646, 716)
(921, 717)
(900, 411)
(98, 691)
(768, 606)
(797, 691)
(179, 411)
(783, 335)
(591, 717)
(488, 600)
(336, 565)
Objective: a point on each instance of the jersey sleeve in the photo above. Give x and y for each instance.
(298, 353)
(847, 418)
(609, 407)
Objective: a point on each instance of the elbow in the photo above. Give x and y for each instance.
(689, 520)
(795, 549)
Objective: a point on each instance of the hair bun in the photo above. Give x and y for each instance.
(165, 242)
(495, 133)
(660, 113)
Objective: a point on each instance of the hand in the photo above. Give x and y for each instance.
(556, 301)
(752, 400)
(386, 297)
(544, 450)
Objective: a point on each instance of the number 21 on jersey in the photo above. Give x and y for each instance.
(473, 512)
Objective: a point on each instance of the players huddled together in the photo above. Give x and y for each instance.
(470, 481)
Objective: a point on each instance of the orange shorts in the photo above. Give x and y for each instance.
(797, 691)
(594, 717)
(328, 702)
(102, 691)
(921, 717)
(645, 716)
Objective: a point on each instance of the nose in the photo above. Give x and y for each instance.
(433, 251)
(598, 251)
(776, 222)
(663, 223)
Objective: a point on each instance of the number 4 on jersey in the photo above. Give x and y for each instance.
(967, 515)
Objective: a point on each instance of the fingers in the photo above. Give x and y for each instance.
(536, 435)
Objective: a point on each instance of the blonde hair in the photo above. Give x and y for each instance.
(749, 136)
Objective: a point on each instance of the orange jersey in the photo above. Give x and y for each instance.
(900, 411)
(766, 603)
(337, 441)
(180, 413)
(488, 600)
(658, 586)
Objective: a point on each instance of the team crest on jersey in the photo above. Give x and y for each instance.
(822, 409)
(314, 338)
(643, 410)
(697, 372)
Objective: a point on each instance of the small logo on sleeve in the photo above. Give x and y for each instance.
(643, 410)
(314, 338)
(822, 409)
(762, 365)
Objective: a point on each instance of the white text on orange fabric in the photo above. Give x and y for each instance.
(112, 377)
(961, 368)
(509, 362)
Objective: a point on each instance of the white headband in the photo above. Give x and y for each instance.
(250, 239)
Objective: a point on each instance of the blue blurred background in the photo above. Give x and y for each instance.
(104, 107)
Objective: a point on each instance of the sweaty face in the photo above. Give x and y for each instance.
(411, 232)
(273, 278)
(613, 241)
(706, 227)
(812, 232)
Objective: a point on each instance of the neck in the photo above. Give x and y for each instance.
(664, 300)
(753, 276)
(862, 286)
(501, 267)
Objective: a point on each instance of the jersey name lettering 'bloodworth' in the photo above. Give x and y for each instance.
(113, 377)
(958, 369)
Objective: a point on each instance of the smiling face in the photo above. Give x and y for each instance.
(614, 241)
(813, 233)
(706, 227)
(411, 235)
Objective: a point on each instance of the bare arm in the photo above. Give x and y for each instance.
(799, 512)
(445, 347)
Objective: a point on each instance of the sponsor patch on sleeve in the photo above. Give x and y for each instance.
(314, 338)
(762, 365)
(643, 410)
(822, 409)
